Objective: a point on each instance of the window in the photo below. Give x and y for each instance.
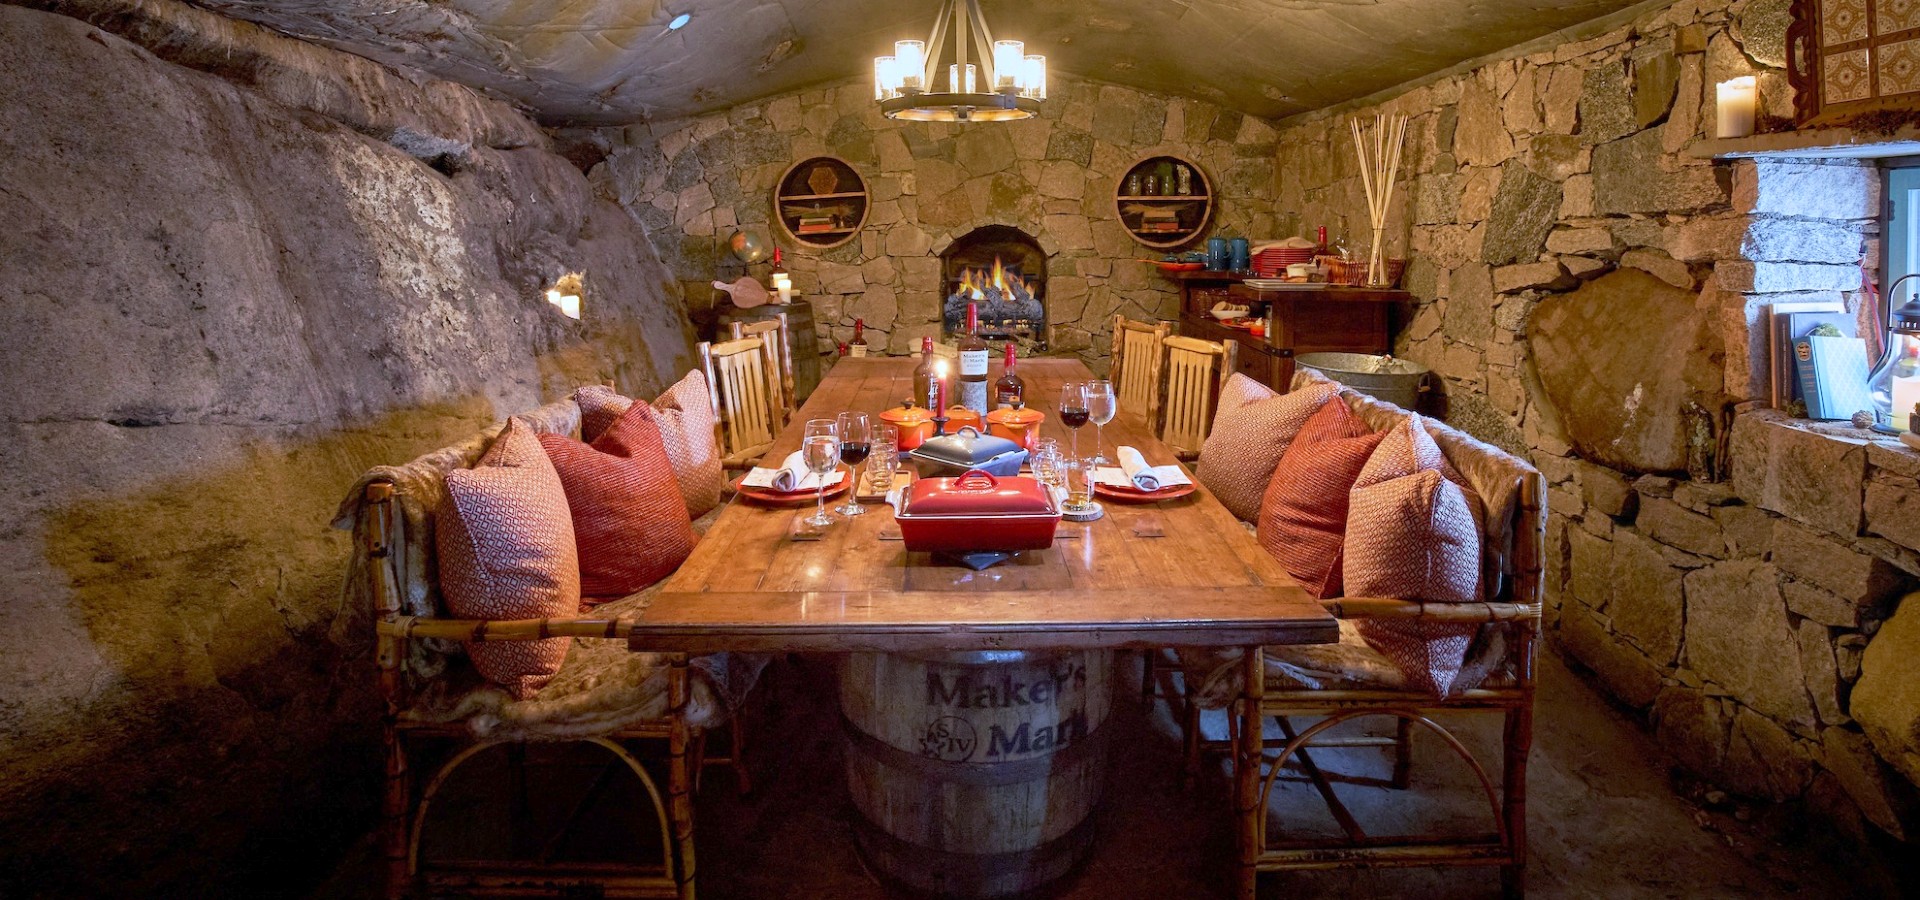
(1902, 235)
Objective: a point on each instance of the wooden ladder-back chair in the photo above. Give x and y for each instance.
(778, 351)
(745, 394)
(1139, 353)
(1195, 371)
(1513, 493)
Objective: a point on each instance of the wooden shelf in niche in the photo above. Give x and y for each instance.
(822, 188)
(1189, 212)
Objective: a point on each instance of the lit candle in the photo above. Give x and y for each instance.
(911, 57)
(783, 286)
(939, 386)
(1734, 99)
(1009, 58)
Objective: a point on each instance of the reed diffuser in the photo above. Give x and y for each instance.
(1379, 150)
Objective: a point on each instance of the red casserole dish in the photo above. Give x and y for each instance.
(977, 512)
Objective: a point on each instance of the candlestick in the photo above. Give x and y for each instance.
(1734, 102)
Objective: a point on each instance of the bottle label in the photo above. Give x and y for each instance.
(973, 362)
(857, 350)
(973, 395)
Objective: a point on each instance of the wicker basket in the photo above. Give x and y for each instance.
(1354, 273)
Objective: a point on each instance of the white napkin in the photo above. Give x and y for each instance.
(1134, 472)
(792, 475)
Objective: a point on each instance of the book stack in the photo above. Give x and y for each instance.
(1160, 221)
(814, 224)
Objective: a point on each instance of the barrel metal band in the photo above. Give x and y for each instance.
(1066, 851)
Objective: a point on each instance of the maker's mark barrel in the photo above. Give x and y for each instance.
(976, 774)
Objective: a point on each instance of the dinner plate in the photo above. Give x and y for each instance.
(1134, 495)
(771, 497)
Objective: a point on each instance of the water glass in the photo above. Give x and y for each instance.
(882, 463)
(820, 449)
(1101, 406)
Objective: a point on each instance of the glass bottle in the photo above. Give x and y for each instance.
(858, 346)
(1011, 389)
(973, 364)
(923, 375)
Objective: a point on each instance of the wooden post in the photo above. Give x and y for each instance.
(1246, 771)
(680, 772)
(390, 654)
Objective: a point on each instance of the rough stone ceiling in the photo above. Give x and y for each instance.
(614, 61)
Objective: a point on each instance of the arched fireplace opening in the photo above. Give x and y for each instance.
(1002, 269)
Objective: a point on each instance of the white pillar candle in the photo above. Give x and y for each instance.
(1735, 103)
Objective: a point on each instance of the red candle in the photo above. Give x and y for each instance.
(940, 387)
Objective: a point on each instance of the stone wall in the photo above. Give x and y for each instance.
(1590, 288)
(237, 274)
(692, 182)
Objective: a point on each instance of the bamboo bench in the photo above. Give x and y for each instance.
(1342, 682)
(605, 695)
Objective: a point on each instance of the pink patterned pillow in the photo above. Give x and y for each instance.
(1252, 429)
(1412, 535)
(685, 416)
(1304, 511)
(505, 539)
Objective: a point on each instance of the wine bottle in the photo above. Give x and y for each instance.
(1010, 390)
(923, 375)
(858, 347)
(973, 364)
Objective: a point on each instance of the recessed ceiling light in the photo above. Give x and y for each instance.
(680, 21)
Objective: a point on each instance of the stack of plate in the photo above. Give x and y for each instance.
(1272, 262)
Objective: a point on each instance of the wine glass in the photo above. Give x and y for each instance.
(820, 448)
(1073, 410)
(855, 443)
(1101, 406)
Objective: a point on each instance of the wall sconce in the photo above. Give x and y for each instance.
(565, 294)
(1735, 102)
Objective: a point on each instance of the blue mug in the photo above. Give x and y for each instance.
(1217, 256)
(1242, 257)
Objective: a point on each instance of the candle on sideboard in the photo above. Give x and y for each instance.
(939, 387)
(1734, 101)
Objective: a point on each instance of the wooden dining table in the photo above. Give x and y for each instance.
(1174, 573)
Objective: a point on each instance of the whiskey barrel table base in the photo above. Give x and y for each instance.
(976, 774)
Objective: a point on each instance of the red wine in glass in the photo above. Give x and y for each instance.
(854, 453)
(1073, 416)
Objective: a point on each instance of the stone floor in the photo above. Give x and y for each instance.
(1606, 819)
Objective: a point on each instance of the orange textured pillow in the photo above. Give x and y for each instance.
(629, 520)
(684, 414)
(1412, 535)
(1303, 515)
(505, 539)
(1252, 429)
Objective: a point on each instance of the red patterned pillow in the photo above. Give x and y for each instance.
(629, 520)
(505, 539)
(1412, 534)
(1304, 513)
(685, 417)
(1252, 429)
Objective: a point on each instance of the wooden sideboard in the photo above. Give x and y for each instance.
(1325, 319)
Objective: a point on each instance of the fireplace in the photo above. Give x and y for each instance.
(1004, 271)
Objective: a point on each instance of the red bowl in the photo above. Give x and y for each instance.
(1178, 266)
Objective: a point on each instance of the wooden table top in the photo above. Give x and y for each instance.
(1204, 582)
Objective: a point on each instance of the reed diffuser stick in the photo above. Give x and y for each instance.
(1379, 150)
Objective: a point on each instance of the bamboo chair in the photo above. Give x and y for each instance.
(406, 805)
(1139, 355)
(1513, 609)
(779, 353)
(1195, 371)
(745, 393)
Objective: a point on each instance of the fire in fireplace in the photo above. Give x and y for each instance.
(1002, 269)
(1007, 306)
